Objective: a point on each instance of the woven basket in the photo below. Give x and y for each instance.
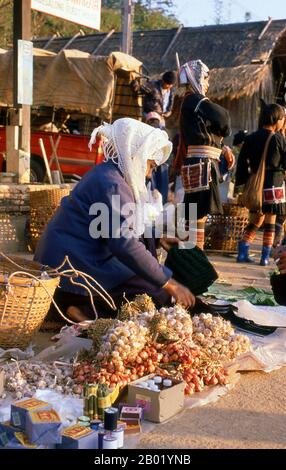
(12, 232)
(43, 205)
(25, 299)
(224, 231)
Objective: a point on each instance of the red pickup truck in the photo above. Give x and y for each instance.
(73, 153)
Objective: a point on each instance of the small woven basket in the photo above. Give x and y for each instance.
(224, 231)
(25, 299)
(43, 205)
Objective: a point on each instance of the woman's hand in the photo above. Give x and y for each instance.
(167, 243)
(181, 294)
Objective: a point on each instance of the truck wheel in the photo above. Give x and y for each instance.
(37, 173)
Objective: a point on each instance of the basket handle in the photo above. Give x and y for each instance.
(69, 273)
(47, 292)
(105, 296)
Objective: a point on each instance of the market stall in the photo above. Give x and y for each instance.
(118, 377)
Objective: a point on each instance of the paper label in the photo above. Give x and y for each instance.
(23, 439)
(4, 439)
(77, 431)
(144, 402)
(45, 416)
(16, 418)
(104, 402)
(31, 404)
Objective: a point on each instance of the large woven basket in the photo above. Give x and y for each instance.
(43, 205)
(224, 231)
(25, 298)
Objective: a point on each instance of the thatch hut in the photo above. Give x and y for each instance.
(247, 60)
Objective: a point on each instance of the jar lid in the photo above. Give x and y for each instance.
(143, 385)
(150, 382)
(158, 379)
(155, 388)
(84, 419)
(167, 383)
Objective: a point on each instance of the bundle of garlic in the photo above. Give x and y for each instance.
(95, 331)
(132, 310)
(24, 378)
(170, 325)
(178, 320)
(217, 339)
(123, 340)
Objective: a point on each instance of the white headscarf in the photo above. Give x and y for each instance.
(194, 73)
(129, 144)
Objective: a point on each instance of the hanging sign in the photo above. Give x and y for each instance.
(83, 12)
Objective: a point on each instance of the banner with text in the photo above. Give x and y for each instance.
(83, 12)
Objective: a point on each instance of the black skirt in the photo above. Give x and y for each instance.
(208, 201)
(274, 179)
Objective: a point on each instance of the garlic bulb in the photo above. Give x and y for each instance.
(216, 337)
(24, 378)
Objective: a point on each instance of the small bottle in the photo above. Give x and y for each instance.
(167, 383)
(158, 380)
(83, 421)
(142, 385)
(150, 382)
(154, 388)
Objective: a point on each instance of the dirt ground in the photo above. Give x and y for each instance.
(252, 415)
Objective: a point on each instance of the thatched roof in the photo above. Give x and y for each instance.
(220, 46)
(235, 82)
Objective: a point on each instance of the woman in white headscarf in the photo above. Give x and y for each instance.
(203, 125)
(94, 228)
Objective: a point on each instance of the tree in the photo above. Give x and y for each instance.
(149, 14)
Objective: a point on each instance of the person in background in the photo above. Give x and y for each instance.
(203, 125)
(124, 260)
(271, 122)
(160, 176)
(238, 140)
(158, 95)
(154, 119)
(280, 219)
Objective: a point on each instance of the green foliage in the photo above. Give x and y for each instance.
(148, 14)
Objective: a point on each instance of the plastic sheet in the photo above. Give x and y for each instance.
(16, 353)
(65, 349)
(268, 316)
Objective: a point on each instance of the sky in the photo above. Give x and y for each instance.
(202, 12)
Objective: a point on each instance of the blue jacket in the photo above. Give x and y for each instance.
(111, 261)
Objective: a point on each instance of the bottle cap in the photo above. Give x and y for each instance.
(143, 385)
(167, 383)
(155, 388)
(158, 379)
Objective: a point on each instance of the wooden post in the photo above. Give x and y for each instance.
(19, 132)
(127, 17)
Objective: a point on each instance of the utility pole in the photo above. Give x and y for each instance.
(127, 19)
(18, 130)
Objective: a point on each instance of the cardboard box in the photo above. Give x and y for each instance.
(44, 427)
(131, 416)
(157, 406)
(7, 432)
(20, 441)
(20, 409)
(78, 437)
